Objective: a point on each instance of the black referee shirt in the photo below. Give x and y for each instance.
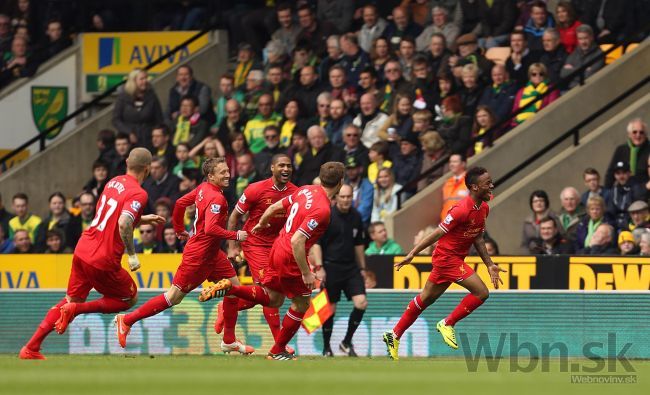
(345, 231)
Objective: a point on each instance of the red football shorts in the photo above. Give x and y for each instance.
(257, 259)
(279, 280)
(450, 271)
(116, 284)
(190, 275)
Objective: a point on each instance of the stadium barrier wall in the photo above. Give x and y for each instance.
(510, 324)
(556, 272)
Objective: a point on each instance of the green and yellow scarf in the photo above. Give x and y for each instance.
(530, 94)
(182, 134)
(591, 229)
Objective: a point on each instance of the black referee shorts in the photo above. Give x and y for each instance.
(352, 284)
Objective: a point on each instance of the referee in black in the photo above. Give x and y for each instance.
(341, 262)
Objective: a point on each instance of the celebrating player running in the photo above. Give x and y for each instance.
(463, 226)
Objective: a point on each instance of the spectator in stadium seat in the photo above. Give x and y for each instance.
(442, 25)
(5, 33)
(380, 55)
(106, 145)
(334, 57)
(455, 128)
(550, 241)
(227, 89)
(54, 42)
(22, 243)
(86, 212)
(320, 151)
(420, 236)
(379, 159)
(263, 158)
(500, 95)
(307, 91)
(468, 17)
(337, 12)
(469, 52)
(395, 83)
(400, 26)
(100, 178)
(639, 216)
(539, 20)
(624, 191)
(497, 19)
(298, 149)
(251, 92)
(586, 50)
(137, 109)
(385, 200)
(245, 64)
(424, 88)
(591, 178)
(400, 121)
(254, 130)
(189, 127)
(538, 84)
(372, 28)
(148, 244)
(160, 183)
(596, 215)
(276, 82)
(437, 55)
(187, 85)
(183, 160)
(491, 246)
(17, 63)
(484, 120)
(406, 55)
(354, 60)
(370, 119)
(407, 161)
(6, 243)
(644, 244)
(235, 122)
(54, 243)
(520, 59)
(540, 207)
(353, 147)
(554, 55)
(626, 244)
(602, 241)
(288, 32)
(368, 83)
(289, 122)
(322, 118)
(237, 147)
(454, 190)
(567, 23)
(59, 218)
(122, 149)
(314, 31)
(246, 174)
(362, 190)
(606, 17)
(170, 243)
(434, 149)
(381, 244)
(339, 119)
(635, 152)
(571, 213)
(5, 216)
(471, 89)
(160, 136)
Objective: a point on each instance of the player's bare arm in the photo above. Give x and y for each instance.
(125, 224)
(298, 241)
(316, 258)
(273, 209)
(493, 268)
(233, 246)
(426, 242)
(152, 219)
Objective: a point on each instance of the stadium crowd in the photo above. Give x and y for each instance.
(387, 89)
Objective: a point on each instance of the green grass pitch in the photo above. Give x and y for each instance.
(216, 375)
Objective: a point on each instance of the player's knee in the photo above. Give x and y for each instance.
(483, 294)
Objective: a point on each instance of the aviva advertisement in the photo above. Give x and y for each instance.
(109, 57)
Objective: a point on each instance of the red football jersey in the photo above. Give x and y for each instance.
(100, 244)
(464, 222)
(256, 198)
(308, 212)
(209, 223)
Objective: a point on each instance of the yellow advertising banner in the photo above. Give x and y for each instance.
(609, 273)
(119, 53)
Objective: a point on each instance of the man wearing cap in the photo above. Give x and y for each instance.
(639, 216)
(624, 192)
(407, 163)
(469, 52)
(626, 243)
(634, 151)
(362, 189)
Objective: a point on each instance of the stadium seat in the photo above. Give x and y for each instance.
(631, 47)
(498, 55)
(612, 56)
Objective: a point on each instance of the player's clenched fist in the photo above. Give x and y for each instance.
(242, 235)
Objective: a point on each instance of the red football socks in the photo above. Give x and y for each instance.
(411, 314)
(46, 326)
(272, 315)
(290, 325)
(103, 305)
(464, 308)
(229, 319)
(245, 304)
(253, 293)
(152, 307)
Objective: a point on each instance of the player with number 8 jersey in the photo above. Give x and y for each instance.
(97, 258)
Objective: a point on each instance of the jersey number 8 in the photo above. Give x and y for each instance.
(292, 213)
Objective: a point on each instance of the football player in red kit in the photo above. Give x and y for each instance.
(96, 261)
(459, 230)
(256, 198)
(288, 273)
(203, 258)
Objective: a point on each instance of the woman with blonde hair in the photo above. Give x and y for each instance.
(137, 109)
(536, 86)
(400, 122)
(385, 200)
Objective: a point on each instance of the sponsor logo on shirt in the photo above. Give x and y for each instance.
(136, 206)
(448, 219)
(242, 199)
(312, 224)
(215, 208)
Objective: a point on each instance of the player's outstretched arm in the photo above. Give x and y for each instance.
(426, 242)
(493, 268)
(273, 209)
(125, 225)
(298, 241)
(233, 220)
